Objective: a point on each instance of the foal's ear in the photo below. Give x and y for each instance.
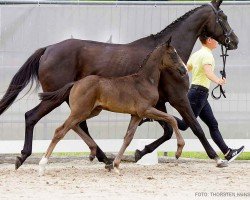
(216, 3)
(169, 41)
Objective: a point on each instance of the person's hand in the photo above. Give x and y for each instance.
(221, 81)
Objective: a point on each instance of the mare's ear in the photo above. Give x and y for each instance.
(169, 41)
(216, 3)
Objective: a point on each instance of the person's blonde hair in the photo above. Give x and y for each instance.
(203, 39)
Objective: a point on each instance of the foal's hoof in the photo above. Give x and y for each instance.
(177, 155)
(18, 162)
(137, 155)
(117, 171)
(91, 157)
(222, 164)
(41, 171)
(109, 166)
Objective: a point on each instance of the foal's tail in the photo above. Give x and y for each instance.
(28, 72)
(58, 95)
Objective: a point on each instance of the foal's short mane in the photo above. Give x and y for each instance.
(180, 19)
(146, 58)
(149, 54)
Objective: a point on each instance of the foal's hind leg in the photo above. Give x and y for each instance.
(155, 114)
(99, 153)
(134, 122)
(88, 140)
(59, 134)
(31, 118)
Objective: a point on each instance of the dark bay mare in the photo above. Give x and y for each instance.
(135, 94)
(59, 64)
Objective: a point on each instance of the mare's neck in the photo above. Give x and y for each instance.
(184, 33)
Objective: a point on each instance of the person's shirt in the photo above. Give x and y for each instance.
(196, 62)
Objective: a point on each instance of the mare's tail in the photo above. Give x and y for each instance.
(28, 72)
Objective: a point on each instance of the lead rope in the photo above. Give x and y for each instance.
(223, 74)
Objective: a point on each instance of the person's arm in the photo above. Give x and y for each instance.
(210, 75)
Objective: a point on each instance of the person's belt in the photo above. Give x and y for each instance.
(199, 87)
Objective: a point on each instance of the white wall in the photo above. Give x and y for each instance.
(25, 28)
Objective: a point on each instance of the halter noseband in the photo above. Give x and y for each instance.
(224, 52)
(223, 26)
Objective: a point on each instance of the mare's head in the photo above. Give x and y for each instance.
(171, 61)
(218, 27)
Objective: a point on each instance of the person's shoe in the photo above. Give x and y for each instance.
(234, 153)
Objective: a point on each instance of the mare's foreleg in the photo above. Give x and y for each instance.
(185, 110)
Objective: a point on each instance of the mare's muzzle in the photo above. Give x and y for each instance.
(232, 44)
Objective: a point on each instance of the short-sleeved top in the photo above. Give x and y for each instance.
(197, 60)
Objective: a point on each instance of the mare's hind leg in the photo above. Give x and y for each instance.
(60, 132)
(31, 119)
(155, 114)
(93, 153)
(134, 122)
(168, 132)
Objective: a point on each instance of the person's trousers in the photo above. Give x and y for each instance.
(197, 96)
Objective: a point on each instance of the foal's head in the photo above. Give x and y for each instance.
(171, 61)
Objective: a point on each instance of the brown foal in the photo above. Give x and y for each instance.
(135, 94)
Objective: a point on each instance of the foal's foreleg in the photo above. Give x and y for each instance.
(134, 122)
(168, 132)
(155, 114)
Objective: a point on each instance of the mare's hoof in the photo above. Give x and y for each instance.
(109, 166)
(18, 162)
(137, 155)
(91, 157)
